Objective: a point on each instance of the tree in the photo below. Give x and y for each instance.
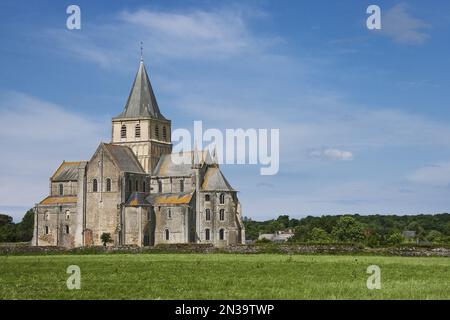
(395, 238)
(435, 237)
(24, 229)
(7, 229)
(319, 235)
(106, 238)
(347, 229)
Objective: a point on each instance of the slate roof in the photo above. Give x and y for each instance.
(141, 101)
(124, 158)
(137, 199)
(215, 180)
(67, 171)
(169, 198)
(180, 164)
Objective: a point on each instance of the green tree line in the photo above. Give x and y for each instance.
(371, 230)
(17, 232)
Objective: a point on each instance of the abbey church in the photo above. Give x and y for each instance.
(135, 191)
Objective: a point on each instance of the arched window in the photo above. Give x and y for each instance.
(181, 185)
(222, 198)
(169, 214)
(208, 215)
(164, 133)
(129, 185)
(207, 198)
(157, 132)
(222, 234)
(137, 185)
(94, 185)
(67, 229)
(159, 186)
(67, 215)
(143, 186)
(123, 131)
(222, 214)
(207, 235)
(137, 131)
(167, 234)
(46, 229)
(108, 184)
(61, 189)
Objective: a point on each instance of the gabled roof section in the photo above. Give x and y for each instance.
(170, 198)
(137, 199)
(180, 164)
(67, 171)
(59, 200)
(214, 180)
(123, 157)
(141, 101)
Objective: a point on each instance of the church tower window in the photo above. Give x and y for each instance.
(181, 185)
(207, 235)
(67, 215)
(222, 215)
(222, 198)
(61, 189)
(167, 234)
(143, 186)
(108, 184)
(208, 215)
(67, 229)
(207, 197)
(137, 185)
(222, 234)
(159, 186)
(46, 229)
(94, 185)
(137, 132)
(129, 185)
(157, 132)
(164, 133)
(123, 131)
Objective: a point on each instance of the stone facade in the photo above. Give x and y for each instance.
(134, 190)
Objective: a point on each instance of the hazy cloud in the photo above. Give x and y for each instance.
(36, 137)
(331, 154)
(402, 27)
(437, 175)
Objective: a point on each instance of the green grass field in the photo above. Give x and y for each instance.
(222, 276)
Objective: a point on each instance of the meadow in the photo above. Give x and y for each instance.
(223, 276)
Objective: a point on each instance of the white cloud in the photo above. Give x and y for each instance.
(402, 27)
(36, 137)
(331, 154)
(437, 175)
(196, 34)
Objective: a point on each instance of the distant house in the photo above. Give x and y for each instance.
(408, 234)
(278, 236)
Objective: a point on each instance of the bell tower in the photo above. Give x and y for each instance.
(141, 126)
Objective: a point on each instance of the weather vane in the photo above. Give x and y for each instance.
(142, 50)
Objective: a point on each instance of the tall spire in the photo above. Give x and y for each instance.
(141, 101)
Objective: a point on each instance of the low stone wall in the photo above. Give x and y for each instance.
(407, 251)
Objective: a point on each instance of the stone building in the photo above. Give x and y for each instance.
(135, 189)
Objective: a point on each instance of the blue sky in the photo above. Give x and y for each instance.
(363, 115)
